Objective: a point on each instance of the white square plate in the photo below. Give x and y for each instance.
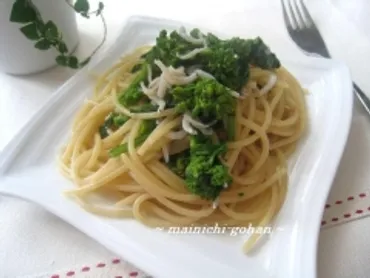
(290, 251)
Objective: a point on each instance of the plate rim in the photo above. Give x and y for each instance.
(12, 148)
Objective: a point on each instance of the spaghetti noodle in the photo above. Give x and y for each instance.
(270, 118)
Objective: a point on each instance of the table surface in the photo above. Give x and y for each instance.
(34, 241)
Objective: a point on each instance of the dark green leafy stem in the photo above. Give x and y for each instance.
(143, 108)
(229, 124)
(46, 34)
(123, 148)
(201, 168)
(178, 163)
(113, 122)
(145, 130)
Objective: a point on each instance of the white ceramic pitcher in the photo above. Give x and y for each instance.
(17, 53)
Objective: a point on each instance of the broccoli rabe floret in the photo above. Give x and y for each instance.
(262, 55)
(205, 99)
(198, 177)
(179, 162)
(229, 60)
(201, 145)
(201, 168)
(225, 65)
(167, 48)
(205, 175)
(249, 51)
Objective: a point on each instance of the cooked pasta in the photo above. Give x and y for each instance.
(180, 134)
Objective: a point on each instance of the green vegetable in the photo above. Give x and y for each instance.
(252, 51)
(120, 120)
(201, 145)
(133, 94)
(261, 55)
(205, 175)
(225, 65)
(103, 129)
(103, 132)
(201, 168)
(229, 60)
(113, 121)
(123, 148)
(179, 162)
(145, 129)
(166, 49)
(143, 108)
(229, 125)
(205, 99)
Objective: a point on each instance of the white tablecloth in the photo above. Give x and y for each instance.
(34, 243)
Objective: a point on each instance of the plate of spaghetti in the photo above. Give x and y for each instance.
(200, 149)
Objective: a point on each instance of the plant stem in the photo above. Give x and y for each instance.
(69, 4)
(104, 35)
(104, 28)
(46, 33)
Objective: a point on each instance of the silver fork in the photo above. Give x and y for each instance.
(304, 33)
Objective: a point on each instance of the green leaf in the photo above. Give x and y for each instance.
(84, 14)
(62, 47)
(85, 62)
(229, 123)
(72, 62)
(100, 8)
(103, 132)
(82, 6)
(51, 30)
(123, 148)
(30, 31)
(43, 44)
(62, 60)
(40, 26)
(22, 12)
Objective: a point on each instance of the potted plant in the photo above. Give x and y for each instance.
(38, 34)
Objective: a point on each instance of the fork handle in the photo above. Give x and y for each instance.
(365, 101)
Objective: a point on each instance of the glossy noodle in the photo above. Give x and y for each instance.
(270, 119)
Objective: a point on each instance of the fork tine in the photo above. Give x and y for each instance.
(301, 21)
(285, 14)
(305, 15)
(289, 16)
